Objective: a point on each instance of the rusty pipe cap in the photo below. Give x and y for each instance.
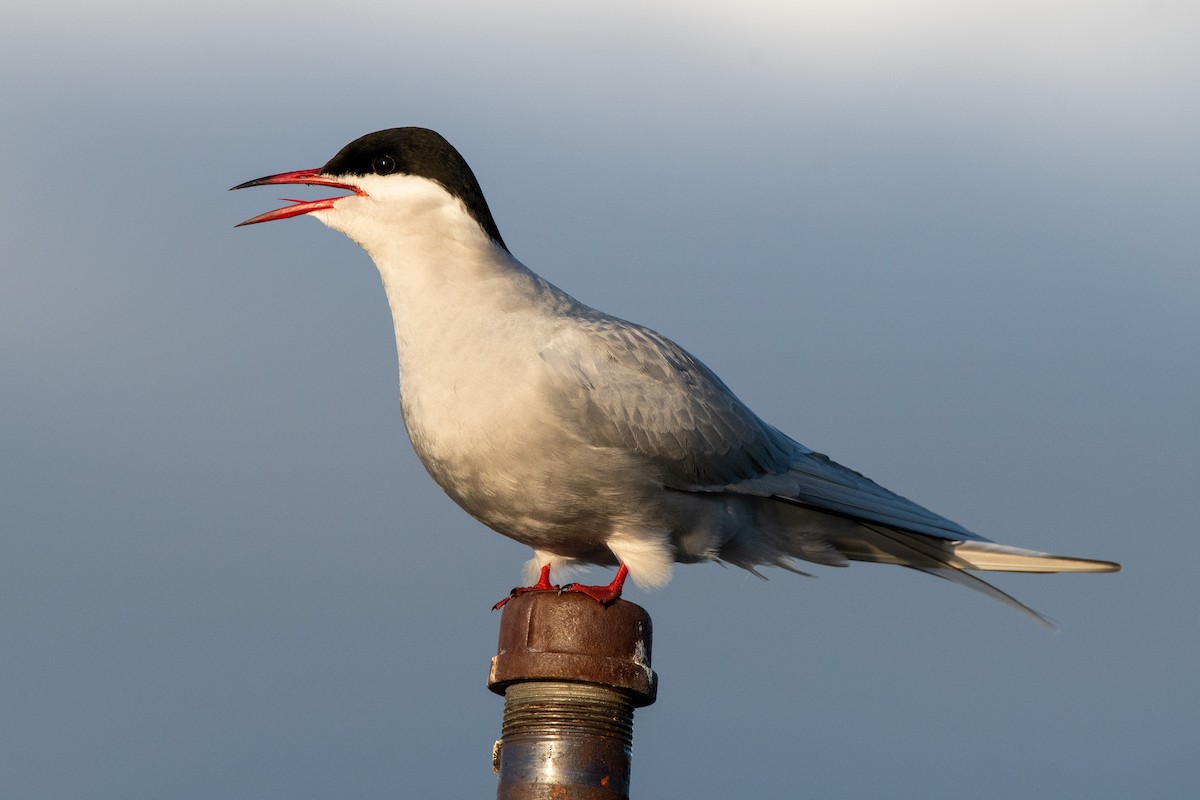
(571, 637)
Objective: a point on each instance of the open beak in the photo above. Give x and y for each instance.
(308, 177)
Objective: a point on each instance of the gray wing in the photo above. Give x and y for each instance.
(632, 388)
(816, 481)
(628, 387)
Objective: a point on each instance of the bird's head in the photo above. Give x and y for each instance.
(393, 177)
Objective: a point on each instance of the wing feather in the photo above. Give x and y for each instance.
(624, 386)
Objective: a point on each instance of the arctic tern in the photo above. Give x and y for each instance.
(588, 438)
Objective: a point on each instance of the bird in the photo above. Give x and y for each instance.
(590, 439)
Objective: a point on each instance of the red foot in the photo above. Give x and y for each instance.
(604, 595)
(543, 585)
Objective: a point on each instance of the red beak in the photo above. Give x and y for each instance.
(308, 177)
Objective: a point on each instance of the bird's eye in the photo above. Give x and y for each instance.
(383, 165)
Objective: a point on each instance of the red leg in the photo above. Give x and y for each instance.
(543, 585)
(602, 594)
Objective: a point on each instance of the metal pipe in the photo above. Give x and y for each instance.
(571, 671)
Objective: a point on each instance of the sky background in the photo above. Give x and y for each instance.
(953, 245)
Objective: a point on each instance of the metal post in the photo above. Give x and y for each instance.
(571, 671)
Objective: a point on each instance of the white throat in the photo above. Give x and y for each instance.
(469, 318)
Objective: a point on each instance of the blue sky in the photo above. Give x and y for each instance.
(952, 245)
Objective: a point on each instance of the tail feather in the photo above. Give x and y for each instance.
(951, 560)
(938, 558)
(978, 584)
(945, 550)
(868, 542)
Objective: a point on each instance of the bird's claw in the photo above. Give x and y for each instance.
(604, 595)
(543, 585)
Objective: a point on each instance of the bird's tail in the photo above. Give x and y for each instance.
(952, 560)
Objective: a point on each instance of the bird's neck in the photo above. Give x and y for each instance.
(453, 290)
(470, 321)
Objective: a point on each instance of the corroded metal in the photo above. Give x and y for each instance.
(571, 672)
